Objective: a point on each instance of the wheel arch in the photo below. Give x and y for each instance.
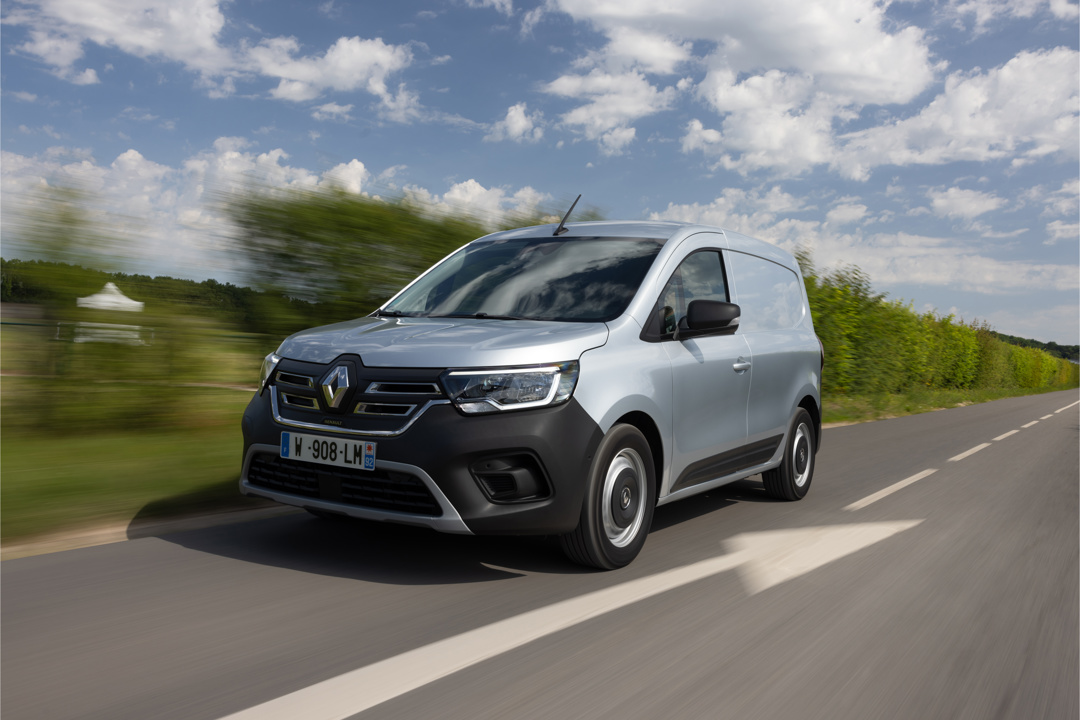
(810, 405)
(647, 427)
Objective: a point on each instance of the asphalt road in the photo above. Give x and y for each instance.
(953, 596)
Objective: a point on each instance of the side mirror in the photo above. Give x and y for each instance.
(711, 317)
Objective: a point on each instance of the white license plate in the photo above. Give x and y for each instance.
(358, 454)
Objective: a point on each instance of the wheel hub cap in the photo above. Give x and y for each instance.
(624, 501)
(802, 455)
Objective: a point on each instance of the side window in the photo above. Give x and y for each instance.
(699, 277)
(770, 295)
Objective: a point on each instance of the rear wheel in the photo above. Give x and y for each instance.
(618, 507)
(791, 480)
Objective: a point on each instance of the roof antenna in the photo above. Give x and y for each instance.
(562, 226)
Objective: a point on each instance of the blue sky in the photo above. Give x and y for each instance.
(935, 144)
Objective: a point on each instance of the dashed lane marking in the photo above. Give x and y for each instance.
(1045, 417)
(972, 451)
(1033, 422)
(1002, 437)
(1068, 406)
(860, 504)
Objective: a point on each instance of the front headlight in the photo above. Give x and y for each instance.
(269, 363)
(485, 391)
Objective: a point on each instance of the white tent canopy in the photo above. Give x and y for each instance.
(110, 298)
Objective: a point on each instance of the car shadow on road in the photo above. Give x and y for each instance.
(376, 551)
(402, 555)
(681, 511)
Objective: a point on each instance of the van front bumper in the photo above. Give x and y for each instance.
(510, 473)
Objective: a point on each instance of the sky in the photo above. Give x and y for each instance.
(935, 144)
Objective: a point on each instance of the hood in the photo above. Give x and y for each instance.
(443, 343)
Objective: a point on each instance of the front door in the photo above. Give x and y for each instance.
(710, 378)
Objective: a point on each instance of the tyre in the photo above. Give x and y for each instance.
(617, 510)
(791, 479)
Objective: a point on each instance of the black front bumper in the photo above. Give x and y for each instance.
(466, 462)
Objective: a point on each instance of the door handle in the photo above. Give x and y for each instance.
(741, 365)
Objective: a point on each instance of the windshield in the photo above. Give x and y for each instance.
(569, 279)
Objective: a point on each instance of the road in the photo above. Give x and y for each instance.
(889, 592)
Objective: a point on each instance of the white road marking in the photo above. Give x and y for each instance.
(1002, 437)
(972, 451)
(1033, 422)
(1068, 406)
(1045, 417)
(860, 504)
(764, 559)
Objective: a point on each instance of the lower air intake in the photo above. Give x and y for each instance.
(375, 489)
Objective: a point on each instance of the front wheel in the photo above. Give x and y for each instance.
(618, 507)
(791, 480)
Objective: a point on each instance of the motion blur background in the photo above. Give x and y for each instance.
(114, 415)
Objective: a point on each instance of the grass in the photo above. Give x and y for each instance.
(56, 482)
(855, 409)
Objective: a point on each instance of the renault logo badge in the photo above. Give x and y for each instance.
(334, 386)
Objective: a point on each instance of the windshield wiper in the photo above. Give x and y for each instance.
(480, 316)
(389, 313)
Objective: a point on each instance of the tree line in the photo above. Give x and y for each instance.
(319, 256)
(876, 345)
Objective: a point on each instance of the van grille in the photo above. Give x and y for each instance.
(377, 401)
(375, 489)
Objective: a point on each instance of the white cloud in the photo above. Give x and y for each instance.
(781, 73)
(518, 125)
(332, 111)
(845, 44)
(615, 102)
(491, 206)
(1065, 201)
(629, 48)
(349, 64)
(846, 213)
(24, 96)
(985, 12)
(959, 203)
(1025, 109)
(773, 120)
(183, 32)
(189, 33)
(506, 7)
(350, 176)
(532, 18)
(1058, 230)
(698, 137)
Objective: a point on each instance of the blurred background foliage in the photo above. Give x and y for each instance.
(874, 345)
(103, 431)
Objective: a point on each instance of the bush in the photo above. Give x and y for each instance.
(874, 345)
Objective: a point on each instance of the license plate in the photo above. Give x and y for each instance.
(358, 454)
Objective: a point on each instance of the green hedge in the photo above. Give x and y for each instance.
(875, 345)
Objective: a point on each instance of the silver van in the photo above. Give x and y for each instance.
(550, 380)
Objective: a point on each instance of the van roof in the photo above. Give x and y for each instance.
(651, 229)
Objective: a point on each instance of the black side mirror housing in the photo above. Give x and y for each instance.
(711, 317)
